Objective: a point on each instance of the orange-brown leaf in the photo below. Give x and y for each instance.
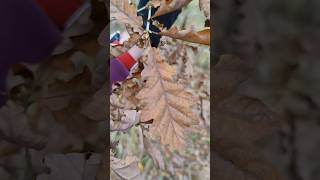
(190, 35)
(167, 6)
(166, 102)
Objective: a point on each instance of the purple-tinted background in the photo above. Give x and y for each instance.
(27, 35)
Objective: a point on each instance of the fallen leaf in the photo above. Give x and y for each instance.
(75, 166)
(17, 128)
(190, 35)
(242, 161)
(126, 169)
(242, 119)
(96, 108)
(59, 94)
(227, 75)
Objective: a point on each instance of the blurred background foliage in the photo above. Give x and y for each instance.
(280, 40)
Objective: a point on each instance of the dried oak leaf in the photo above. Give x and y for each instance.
(242, 161)
(58, 95)
(190, 35)
(165, 102)
(96, 108)
(205, 7)
(167, 6)
(126, 169)
(76, 166)
(227, 75)
(125, 13)
(16, 127)
(242, 119)
(131, 118)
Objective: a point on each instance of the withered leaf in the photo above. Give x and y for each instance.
(59, 94)
(75, 166)
(242, 161)
(242, 119)
(167, 6)
(96, 109)
(17, 128)
(166, 102)
(125, 13)
(127, 169)
(131, 118)
(227, 75)
(190, 35)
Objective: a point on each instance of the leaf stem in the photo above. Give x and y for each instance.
(141, 9)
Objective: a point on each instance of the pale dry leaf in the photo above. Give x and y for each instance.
(154, 152)
(191, 35)
(205, 7)
(166, 102)
(227, 75)
(167, 6)
(96, 109)
(126, 13)
(242, 161)
(76, 166)
(130, 118)
(242, 119)
(16, 127)
(126, 169)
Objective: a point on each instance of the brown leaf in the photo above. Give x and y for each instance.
(205, 7)
(190, 35)
(126, 169)
(242, 161)
(60, 138)
(167, 6)
(227, 75)
(242, 119)
(165, 102)
(59, 94)
(126, 13)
